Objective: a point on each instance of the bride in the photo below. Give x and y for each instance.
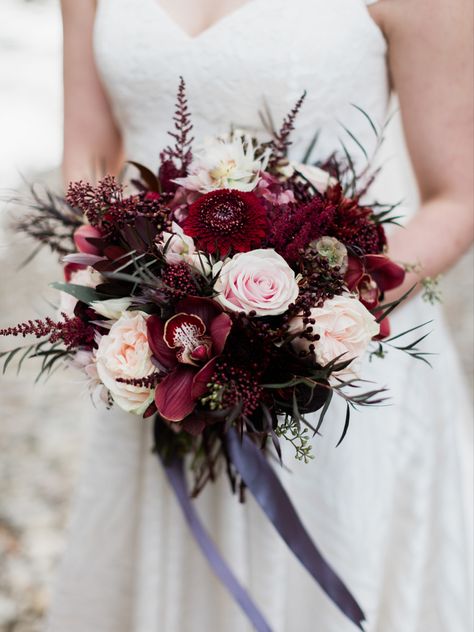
(386, 507)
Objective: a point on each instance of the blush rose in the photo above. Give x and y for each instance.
(260, 281)
(124, 353)
(345, 328)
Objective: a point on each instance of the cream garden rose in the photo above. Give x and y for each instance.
(124, 353)
(259, 281)
(344, 325)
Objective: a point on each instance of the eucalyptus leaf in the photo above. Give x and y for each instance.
(82, 293)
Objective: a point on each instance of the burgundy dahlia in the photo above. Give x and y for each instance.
(227, 220)
(353, 225)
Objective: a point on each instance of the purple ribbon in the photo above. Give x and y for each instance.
(270, 494)
(177, 478)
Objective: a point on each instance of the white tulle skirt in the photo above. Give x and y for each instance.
(388, 508)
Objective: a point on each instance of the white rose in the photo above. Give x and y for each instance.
(259, 280)
(124, 353)
(345, 328)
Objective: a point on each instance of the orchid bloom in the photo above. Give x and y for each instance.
(187, 346)
(369, 277)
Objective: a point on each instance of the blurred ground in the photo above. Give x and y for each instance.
(43, 428)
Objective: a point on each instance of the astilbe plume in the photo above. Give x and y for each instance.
(181, 151)
(73, 332)
(281, 142)
(297, 225)
(149, 381)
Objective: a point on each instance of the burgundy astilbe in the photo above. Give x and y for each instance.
(296, 226)
(181, 151)
(149, 381)
(73, 332)
(281, 142)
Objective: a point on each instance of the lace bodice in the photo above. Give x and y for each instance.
(266, 52)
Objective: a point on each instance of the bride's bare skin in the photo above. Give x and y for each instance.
(430, 60)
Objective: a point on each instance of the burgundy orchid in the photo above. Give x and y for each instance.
(187, 346)
(371, 275)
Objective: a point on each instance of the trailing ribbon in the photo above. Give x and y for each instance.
(270, 495)
(177, 478)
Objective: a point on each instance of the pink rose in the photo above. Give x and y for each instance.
(259, 281)
(344, 325)
(124, 353)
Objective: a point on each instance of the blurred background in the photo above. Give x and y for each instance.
(43, 428)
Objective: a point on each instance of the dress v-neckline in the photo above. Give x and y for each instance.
(237, 12)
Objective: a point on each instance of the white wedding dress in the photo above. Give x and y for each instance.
(386, 507)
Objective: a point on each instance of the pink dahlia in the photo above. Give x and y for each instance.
(227, 220)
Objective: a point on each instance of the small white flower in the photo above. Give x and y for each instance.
(225, 163)
(112, 308)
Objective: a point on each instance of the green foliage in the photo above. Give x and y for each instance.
(292, 431)
(431, 292)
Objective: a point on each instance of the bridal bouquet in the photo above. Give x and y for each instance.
(230, 295)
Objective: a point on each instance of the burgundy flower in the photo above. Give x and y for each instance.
(84, 238)
(371, 275)
(187, 346)
(226, 220)
(353, 224)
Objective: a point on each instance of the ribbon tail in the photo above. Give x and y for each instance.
(177, 479)
(270, 494)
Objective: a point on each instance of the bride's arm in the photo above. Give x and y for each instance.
(92, 142)
(431, 65)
